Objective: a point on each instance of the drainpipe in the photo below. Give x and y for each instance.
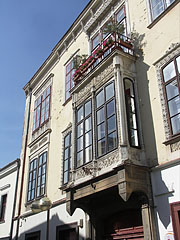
(15, 198)
(23, 164)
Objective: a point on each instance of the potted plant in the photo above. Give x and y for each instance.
(98, 52)
(76, 75)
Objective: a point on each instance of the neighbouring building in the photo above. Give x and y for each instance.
(8, 186)
(101, 136)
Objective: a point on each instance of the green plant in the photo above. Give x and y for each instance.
(112, 27)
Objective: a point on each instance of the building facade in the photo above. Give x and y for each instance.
(102, 128)
(8, 187)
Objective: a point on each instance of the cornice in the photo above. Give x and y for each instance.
(10, 168)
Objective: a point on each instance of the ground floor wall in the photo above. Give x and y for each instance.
(166, 192)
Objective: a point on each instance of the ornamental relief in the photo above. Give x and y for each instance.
(107, 161)
(175, 146)
(173, 50)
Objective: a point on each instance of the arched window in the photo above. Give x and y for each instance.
(131, 113)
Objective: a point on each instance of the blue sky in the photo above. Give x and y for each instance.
(28, 32)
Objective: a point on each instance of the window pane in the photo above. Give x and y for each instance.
(80, 159)
(44, 157)
(88, 154)
(80, 130)
(174, 106)
(100, 99)
(178, 63)
(44, 169)
(65, 177)
(43, 179)
(111, 124)
(40, 159)
(68, 94)
(109, 91)
(157, 7)
(172, 90)
(175, 122)
(68, 68)
(66, 165)
(169, 71)
(100, 115)
(66, 141)
(88, 139)
(101, 147)
(132, 119)
(66, 153)
(95, 41)
(110, 108)
(87, 108)
(80, 114)
(112, 141)
(120, 15)
(169, 2)
(129, 88)
(101, 131)
(88, 124)
(134, 138)
(80, 144)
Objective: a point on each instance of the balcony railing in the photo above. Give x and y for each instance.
(101, 51)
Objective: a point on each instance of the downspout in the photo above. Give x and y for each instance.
(15, 198)
(23, 165)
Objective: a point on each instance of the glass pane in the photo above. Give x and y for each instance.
(35, 164)
(110, 108)
(132, 121)
(80, 114)
(120, 15)
(39, 181)
(48, 90)
(44, 157)
(68, 83)
(38, 191)
(88, 139)
(87, 108)
(100, 115)
(42, 189)
(111, 124)
(66, 165)
(95, 41)
(174, 106)
(101, 131)
(80, 159)
(68, 94)
(65, 177)
(88, 124)
(31, 166)
(112, 141)
(80, 130)
(68, 68)
(32, 194)
(43, 179)
(34, 174)
(157, 9)
(80, 144)
(43, 169)
(131, 105)
(101, 147)
(169, 71)
(29, 187)
(40, 159)
(88, 154)
(175, 122)
(100, 99)
(29, 196)
(172, 90)
(169, 2)
(129, 88)
(178, 63)
(109, 91)
(134, 138)
(39, 172)
(30, 176)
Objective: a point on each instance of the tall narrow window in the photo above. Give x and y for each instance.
(84, 134)
(69, 83)
(120, 17)
(3, 201)
(171, 83)
(37, 177)
(67, 166)
(159, 6)
(42, 109)
(106, 120)
(131, 113)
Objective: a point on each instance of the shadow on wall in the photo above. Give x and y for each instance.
(144, 99)
(42, 229)
(161, 199)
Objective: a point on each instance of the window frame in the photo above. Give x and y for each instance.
(82, 121)
(104, 105)
(69, 158)
(3, 204)
(67, 227)
(70, 63)
(175, 211)
(128, 115)
(37, 123)
(33, 234)
(36, 172)
(164, 84)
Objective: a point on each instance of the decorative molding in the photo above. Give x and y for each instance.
(172, 51)
(108, 160)
(175, 146)
(5, 187)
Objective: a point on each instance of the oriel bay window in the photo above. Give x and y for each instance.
(42, 109)
(67, 165)
(106, 127)
(131, 113)
(84, 134)
(37, 177)
(171, 83)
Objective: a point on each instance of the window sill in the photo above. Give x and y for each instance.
(68, 100)
(162, 14)
(2, 221)
(172, 140)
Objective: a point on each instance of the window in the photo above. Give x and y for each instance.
(67, 166)
(159, 6)
(33, 236)
(42, 109)
(106, 120)
(175, 214)
(120, 17)
(69, 83)
(131, 113)
(67, 232)
(84, 134)
(171, 84)
(3, 200)
(37, 177)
